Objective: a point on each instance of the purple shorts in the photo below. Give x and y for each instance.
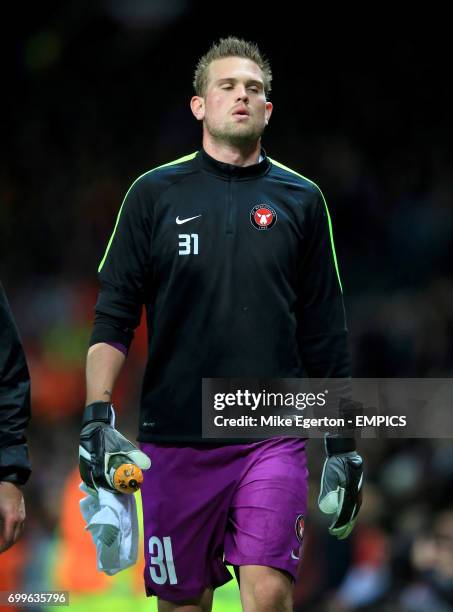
(204, 506)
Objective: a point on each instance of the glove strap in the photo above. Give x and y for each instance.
(98, 411)
(338, 446)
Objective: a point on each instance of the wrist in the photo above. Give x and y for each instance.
(16, 478)
(99, 411)
(336, 445)
(4, 482)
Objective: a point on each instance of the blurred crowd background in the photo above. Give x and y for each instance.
(96, 93)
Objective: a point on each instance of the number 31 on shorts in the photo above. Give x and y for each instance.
(162, 566)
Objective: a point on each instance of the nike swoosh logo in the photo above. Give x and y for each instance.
(293, 556)
(181, 221)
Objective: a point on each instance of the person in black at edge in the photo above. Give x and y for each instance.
(14, 416)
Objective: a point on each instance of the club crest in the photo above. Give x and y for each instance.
(263, 217)
(300, 527)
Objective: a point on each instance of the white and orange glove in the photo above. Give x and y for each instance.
(100, 442)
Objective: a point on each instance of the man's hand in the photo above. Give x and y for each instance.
(341, 485)
(12, 514)
(99, 442)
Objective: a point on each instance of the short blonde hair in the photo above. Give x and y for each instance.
(231, 47)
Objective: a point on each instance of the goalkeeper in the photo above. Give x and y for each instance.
(233, 257)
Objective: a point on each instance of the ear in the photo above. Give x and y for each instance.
(197, 107)
(268, 112)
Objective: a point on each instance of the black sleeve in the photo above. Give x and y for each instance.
(321, 316)
(124, 271)
(14, 399)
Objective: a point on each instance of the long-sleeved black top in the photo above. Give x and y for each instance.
(237, 269)
(14, 399)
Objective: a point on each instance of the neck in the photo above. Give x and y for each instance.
(230, 154)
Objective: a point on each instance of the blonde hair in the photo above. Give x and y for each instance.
(230, 47)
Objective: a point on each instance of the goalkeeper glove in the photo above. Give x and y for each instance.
(100, 442)
(341, 485)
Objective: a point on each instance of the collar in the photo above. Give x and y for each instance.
(230, 171)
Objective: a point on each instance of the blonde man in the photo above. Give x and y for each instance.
(233, 257)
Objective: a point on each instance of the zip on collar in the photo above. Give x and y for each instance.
(230, 171)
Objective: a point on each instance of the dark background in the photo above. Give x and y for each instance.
(96, 93)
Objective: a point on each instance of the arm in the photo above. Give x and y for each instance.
(99, 440)
(322, 328)
(12, 514)
(14, 416)
(123, 274)
(104, 363)
(325, 355)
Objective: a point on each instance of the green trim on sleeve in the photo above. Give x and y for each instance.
(186, 158)
(327, 211)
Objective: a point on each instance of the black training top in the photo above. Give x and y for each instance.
(14, 400)
(237, 269)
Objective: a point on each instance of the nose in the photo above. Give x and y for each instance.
(242, 94)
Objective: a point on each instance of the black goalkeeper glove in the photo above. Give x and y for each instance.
(341, 485)
(100, 442)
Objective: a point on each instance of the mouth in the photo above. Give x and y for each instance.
(241, 112)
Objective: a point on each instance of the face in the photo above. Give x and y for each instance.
(234, 109)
